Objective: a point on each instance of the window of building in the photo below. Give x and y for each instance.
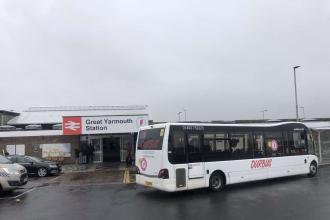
(16, 149)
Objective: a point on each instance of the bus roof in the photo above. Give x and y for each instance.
(226, 125)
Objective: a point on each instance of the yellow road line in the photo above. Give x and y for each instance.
(126, 177)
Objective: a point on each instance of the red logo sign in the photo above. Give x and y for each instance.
(72, 125)
(140, 122)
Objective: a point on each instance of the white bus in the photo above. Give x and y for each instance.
(183, 156)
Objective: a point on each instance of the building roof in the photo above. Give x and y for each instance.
(54, 115)
(318, 125)
(37, 133)
(11, 113)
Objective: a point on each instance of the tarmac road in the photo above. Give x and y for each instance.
(287, 198)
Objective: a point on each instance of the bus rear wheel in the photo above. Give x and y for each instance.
(217, 182)
(312, 169)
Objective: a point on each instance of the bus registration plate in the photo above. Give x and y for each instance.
(148, 183)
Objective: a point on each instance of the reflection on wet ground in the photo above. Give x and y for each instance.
(286, 198)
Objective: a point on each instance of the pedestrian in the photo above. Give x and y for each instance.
(87, 153)
(91, 151)
(85, 150)
(76, 153)
(129, 157)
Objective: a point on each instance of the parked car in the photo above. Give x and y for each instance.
(35, 165)
(11, 175)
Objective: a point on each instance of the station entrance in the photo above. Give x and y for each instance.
(112, 147)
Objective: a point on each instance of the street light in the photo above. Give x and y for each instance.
(179, 114)
(303, 110)
(185, 114)
(295, 90)
(263, 113)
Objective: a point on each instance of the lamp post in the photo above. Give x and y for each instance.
(295, 90)
(263, 113)
(179, 115)
(303, 110)
(185, 114)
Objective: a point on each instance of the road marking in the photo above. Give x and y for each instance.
(126, 177)
(94, 184)
(53, 179)
(19, 195)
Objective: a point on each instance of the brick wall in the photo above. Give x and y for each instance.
(32, 144)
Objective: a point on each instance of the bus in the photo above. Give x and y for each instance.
(184, 156)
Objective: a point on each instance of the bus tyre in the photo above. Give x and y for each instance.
(217, 182)
(312, 169)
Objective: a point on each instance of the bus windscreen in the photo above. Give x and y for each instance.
(151, 139)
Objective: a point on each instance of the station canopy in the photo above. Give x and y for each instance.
(54, 115)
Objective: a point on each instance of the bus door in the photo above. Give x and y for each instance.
(196, 166)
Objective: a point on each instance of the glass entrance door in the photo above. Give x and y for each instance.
(111, 149)
(127, 142)
(96, 142)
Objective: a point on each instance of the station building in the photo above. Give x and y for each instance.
(58, 133)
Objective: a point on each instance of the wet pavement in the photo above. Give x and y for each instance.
(286, 198)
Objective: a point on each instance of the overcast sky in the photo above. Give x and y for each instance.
(220, 60)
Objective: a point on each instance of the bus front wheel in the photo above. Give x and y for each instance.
(217, 182)
(312, 169)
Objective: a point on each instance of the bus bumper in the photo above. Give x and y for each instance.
(155, 182)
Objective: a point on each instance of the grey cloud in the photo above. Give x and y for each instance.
(219, 59)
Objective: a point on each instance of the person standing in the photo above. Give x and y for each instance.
(91, 151)
(85, 150)
(129, 157)
(77, 153)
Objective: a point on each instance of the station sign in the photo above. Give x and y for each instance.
(103, 124)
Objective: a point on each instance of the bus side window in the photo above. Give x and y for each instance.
(241, 147)
(259, 149)
(176, 147)
(275, 144)
(194, 147)
(216, 146)
(297, 142)
(310, 142)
